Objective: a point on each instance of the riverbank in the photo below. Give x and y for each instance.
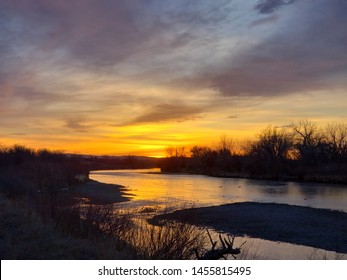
(319, 228)
(25, 235)
(42, 225)
(100, 193)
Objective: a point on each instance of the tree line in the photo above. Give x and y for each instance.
(299, 151)
(23, 169)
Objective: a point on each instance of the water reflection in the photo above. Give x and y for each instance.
(149, 185)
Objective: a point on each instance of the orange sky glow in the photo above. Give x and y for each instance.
(134, 77)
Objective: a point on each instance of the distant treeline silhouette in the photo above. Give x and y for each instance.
(25, 170)
(299, 151)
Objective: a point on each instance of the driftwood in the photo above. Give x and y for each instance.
(221, 252)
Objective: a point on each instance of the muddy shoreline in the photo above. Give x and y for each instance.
(319, 228)
(101, 193)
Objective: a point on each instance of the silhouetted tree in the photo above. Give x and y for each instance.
(308, 142)
(203, 159)
(335, 136)
(19, 154)
(271, 150)
(224, 148)
(301, 150)
(176, 158)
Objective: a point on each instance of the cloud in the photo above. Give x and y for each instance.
(19, 134)
(97, 32)
(309, 55)
(282, 126)
(77, 125)
(106, 38)
(103, 33)
(168, 112)
(266, 20)
(270, 6)
(233, 116)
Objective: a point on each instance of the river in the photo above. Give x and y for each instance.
(150, 188)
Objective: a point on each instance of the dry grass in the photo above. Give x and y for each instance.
(62, 233)
(170, 241)
(143, 240)
(23, 235)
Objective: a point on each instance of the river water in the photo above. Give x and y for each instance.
(150, 189)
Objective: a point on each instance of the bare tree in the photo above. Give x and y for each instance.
(203, 158)
(272, 144)
(176, 152)
(176, 159)
(225, 145)
(308, 140)
(199, 151)
(269, 153)
(335, 135)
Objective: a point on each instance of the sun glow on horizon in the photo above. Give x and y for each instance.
(123, 80)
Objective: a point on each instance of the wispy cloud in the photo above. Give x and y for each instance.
(167, 112)
(266, 20)
(306, 56)
(269, 6)
(77, 125)
(233, 116)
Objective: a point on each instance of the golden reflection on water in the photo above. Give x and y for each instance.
(197, 190)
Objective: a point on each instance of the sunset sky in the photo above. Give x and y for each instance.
(135, 76)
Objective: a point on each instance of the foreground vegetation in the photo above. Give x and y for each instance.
(301, 151)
